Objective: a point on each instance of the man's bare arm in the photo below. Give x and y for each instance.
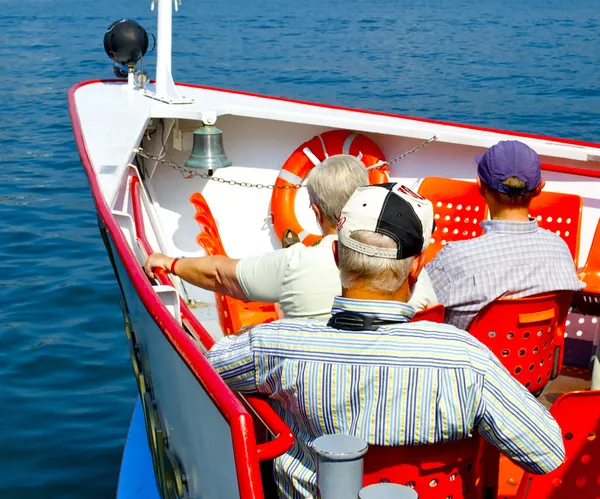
(213, 273)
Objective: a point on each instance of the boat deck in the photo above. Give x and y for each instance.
(572, 379)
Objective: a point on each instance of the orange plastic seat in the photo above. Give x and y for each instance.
(527, 335)
(435, 313)
(458, 208)
(233, 314)
(588, 301)
(578, 415)
(560, 213)
(435, 471)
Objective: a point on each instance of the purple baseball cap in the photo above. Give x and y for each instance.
(509, 158)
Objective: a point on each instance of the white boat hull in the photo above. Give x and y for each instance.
(209, 432)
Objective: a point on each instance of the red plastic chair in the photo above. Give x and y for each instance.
(458, 207)
(578, 415)
(560, 213)
(435, 313)
(527, 335)
(588, 301)
(435, 471)
(233, 314)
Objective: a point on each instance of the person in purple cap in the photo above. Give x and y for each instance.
(372, 373)
(514, 258)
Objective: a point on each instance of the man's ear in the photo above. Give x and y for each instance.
(336, 256)
(317, 212)
(480, 185)
(415, 269)
(539, 188)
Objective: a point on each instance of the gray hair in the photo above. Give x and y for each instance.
(331, 183)
(383, 275)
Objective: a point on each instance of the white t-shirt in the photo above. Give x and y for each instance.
(304, 280)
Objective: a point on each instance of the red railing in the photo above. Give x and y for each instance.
(202, 334)
(284, 437)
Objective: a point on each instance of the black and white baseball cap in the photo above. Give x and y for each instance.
(390, 209)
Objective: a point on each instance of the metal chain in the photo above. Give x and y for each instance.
(426, 142)
(190, 174)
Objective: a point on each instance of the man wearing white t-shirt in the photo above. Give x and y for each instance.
(302, 280)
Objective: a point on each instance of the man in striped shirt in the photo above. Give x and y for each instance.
(370, 372)
(514, 258)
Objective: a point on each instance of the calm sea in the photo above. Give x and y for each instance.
(66, 389)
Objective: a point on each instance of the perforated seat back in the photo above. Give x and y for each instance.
(527, 335)
(435, 471)
(435, 313)
(560, 213)
(458, 208)
(588, 302)
(592, 264)
(578, 415)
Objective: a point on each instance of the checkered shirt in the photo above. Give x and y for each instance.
(511, 259)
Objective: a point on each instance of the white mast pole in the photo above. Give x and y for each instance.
(165, 88)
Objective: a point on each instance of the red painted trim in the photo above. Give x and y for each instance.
(390, 115)
(202, 334)
(284, 438)
(555, 168)
(570, 170)
(240, 422)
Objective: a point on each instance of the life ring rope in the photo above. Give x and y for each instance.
(348, 143)
(323, 145)
(310, 155)
(290, 177)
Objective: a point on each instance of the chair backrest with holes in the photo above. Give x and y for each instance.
(592, 264)
(435, 471)
(458, 208)
(588, 302)
(435, 313)
(578, 415)
(560, 213)
(527, 335)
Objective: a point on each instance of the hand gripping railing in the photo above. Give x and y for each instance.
(284, 437)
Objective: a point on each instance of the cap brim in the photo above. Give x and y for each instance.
(478, 158)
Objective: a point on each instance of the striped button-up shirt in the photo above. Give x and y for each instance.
(404, 384)
(512, 259)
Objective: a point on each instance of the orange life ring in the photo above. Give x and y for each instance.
(303, 159)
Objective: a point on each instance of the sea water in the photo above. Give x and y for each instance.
(66, 385)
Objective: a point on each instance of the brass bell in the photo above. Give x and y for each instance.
(208, 151)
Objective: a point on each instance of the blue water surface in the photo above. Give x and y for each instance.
(67, 390)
